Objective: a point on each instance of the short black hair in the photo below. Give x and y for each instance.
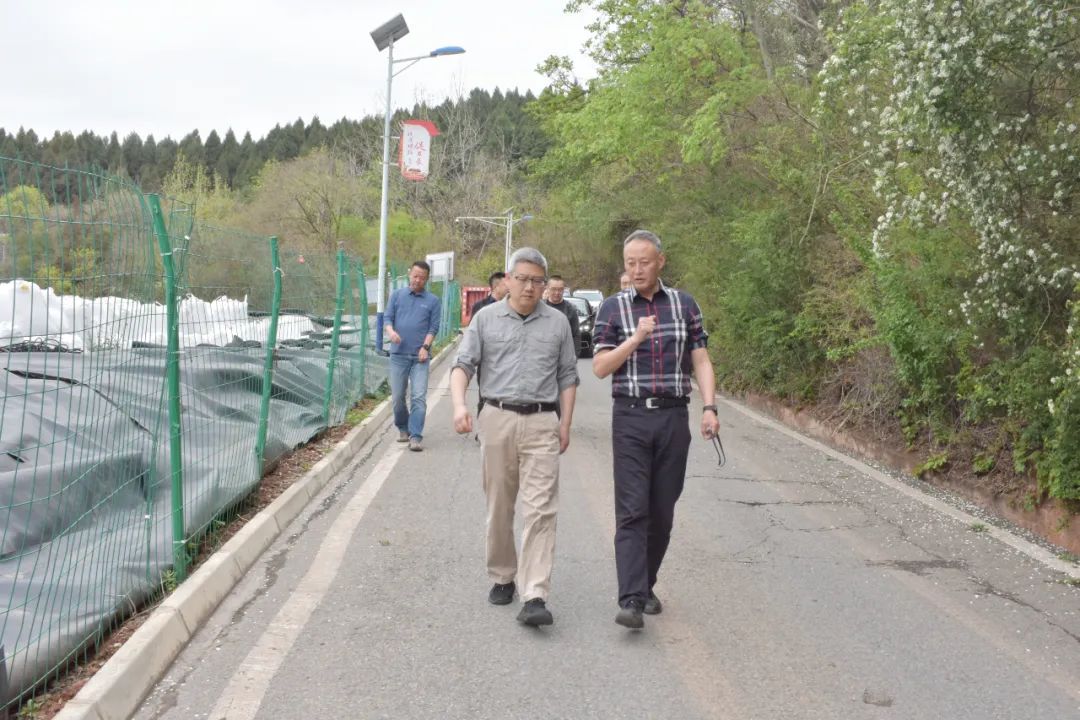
(422, 265)
(495, 276)
(555, 277)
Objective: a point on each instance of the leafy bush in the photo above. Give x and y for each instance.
(762, 279)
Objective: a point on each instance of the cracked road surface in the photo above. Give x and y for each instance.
(795, 587)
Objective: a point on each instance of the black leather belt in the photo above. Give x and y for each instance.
(651, 403)
(527, 409)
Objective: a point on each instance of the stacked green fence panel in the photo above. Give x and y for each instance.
(225, 281)
(82, 337)
(311, 290)
(449, 293)
(153, 367)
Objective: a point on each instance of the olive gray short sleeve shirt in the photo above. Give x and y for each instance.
(520, 360)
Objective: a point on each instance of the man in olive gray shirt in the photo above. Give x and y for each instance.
(527, 360)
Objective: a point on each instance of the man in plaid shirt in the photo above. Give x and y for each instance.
(650, 338)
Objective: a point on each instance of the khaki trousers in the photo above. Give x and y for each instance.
(520, 452)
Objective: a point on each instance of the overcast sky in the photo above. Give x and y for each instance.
(169, 68)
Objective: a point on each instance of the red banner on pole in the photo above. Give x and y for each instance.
(414, 150)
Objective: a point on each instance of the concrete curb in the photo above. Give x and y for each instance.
(117, 689)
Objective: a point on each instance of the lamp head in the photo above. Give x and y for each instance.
(448, 50)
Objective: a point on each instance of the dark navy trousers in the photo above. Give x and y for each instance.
(649, 449)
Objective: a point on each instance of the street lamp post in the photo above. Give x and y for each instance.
(384, 37)
(506, 220)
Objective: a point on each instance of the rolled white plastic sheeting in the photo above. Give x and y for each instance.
(35, 315)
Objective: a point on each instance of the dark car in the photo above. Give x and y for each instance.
(586, 320)
(595, 297)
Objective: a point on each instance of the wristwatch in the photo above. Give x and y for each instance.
(709, 407)
(428, 348)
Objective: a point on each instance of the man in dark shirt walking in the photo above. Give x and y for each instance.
(497, 285)
(650, 338)
(556, 287)
(499, 290)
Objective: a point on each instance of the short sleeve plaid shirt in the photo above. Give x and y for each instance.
(660, 366)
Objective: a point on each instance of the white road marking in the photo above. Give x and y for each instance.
(244, 694)
(1033, 551)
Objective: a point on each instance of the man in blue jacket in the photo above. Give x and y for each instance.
(412, 322)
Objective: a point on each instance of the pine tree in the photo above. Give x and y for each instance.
(229, 159)
(192, 147)
(114, 156)
(149, 178)
(133, 155)
(212, 152)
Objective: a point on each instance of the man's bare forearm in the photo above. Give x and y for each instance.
(606, 361)
(458, 382)
(567, 398)
(703, 373)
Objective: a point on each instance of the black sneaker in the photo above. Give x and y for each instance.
(534, 612)
(653, 606)
(501, 594)
(630, 616)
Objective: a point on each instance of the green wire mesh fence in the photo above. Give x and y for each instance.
(153, 368)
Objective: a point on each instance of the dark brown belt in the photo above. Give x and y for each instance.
(651, 403)
(526, 409)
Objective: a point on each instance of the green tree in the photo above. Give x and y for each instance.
(114, 155)
(132, 151)
(190, 182)
(191, 145)
(212, 151)
(229, 159)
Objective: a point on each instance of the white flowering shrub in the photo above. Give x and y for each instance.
(969, 107)
(1064, 473)
(964, 113)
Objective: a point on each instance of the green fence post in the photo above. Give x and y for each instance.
(444, 320)
(336, 336)
(172, 313)
(455, 307)
(268, 365)
(364, 330)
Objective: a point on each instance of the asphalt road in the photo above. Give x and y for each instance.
(795, 587)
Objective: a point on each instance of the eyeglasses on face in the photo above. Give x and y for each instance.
(528, 280)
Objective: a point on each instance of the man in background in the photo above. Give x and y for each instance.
(624, 282)
(555, 289)
(497, 284)
(412, 322)
(499, 290)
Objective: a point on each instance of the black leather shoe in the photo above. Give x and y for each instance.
(630, 616)
(653, 606)
(501, 594)
(534, 612)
